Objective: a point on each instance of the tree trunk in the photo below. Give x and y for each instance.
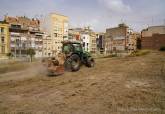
(31, 58)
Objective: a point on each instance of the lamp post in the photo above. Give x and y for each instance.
(15, 51)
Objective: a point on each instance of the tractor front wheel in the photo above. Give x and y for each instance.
(73, 63)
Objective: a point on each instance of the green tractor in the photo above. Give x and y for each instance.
(76, 56)
(71, 59)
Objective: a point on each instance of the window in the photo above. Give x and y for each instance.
(2, 30)
(64, 37)
(55, 34)
(16, 26)
(67, 49)
(2, 39)
(17, 40)
(77, 47)
(3, 49)
(83, 44)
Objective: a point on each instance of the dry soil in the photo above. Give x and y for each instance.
(129, 85)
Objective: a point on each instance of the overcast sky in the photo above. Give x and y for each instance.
(99, 14)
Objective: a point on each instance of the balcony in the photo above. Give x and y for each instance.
(17, 28)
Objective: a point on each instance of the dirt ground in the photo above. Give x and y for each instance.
(130, 85)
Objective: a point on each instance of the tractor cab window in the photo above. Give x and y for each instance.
(67, 49)
(77, 47)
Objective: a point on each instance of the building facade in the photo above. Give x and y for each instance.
(85, 36)
(4, 39)
(86, 41)
(153, 37)
(56, 26)
(38, 44)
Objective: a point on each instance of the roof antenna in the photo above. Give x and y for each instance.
(152, 21)
(5, 16)
(122, 21)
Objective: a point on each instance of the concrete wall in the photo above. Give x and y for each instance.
(153, 30)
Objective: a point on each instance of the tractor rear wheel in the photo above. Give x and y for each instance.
(90, 62)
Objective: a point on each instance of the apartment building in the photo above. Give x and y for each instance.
(88, 38)
(47, 46)
(153, 37)
(4, 39)
(56, 26)
(25, 33)
(93, 46)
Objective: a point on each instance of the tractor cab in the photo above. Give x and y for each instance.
(72, 47)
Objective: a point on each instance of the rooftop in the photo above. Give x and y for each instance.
(23, 21)
(58, 14)
(3, 22)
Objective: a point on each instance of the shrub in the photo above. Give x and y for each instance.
(9, 55)
(140, 53)
(110, 56)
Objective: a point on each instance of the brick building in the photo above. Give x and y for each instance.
(153, 37)
(117, 38)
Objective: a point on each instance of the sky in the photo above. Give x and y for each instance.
(98, 14)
